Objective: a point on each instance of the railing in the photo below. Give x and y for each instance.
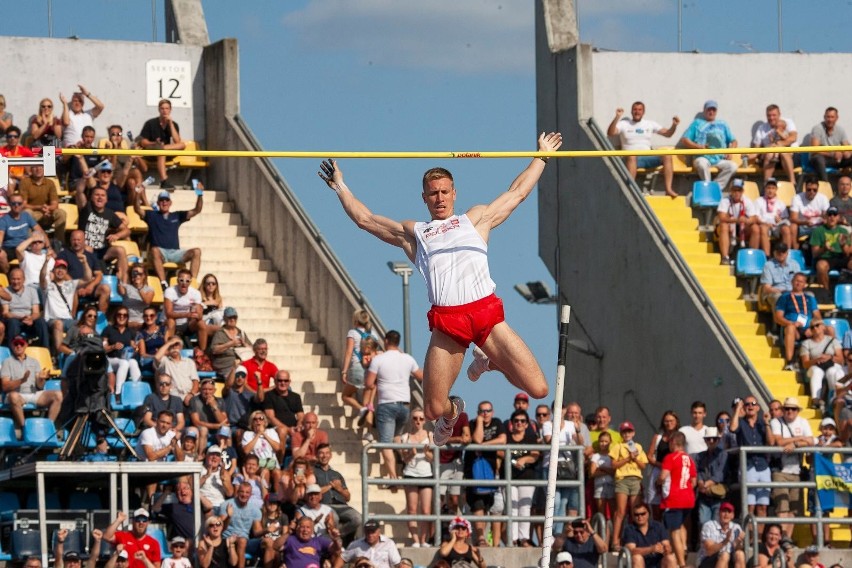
(757, 385)
(817, 519)
(436, 482)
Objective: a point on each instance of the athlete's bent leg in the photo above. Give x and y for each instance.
(443, 363)
(509, 354)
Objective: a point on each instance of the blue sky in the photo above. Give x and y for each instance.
(437, 75)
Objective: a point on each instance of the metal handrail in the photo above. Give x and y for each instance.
(682, 267)
(436, 482)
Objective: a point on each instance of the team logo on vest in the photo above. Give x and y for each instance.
(435, 230)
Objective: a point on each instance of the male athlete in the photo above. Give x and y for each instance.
(451, 252)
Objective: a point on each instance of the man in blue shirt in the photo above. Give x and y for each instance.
(647, 540)
(243, 520)
(15, 228)
(777, 276)
(708, 132)
(163, 226)
(793, 312)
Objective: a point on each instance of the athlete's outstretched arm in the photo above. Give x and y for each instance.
(392, 232)
(499, 210)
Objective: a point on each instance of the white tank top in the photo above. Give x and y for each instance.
(453, 259)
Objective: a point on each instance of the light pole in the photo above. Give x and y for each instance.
(536, 292)
(404, 269)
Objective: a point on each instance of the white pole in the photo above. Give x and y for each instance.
(565, 316)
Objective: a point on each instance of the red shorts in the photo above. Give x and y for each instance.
(468, 323)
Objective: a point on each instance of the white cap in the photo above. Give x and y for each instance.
(564, 557)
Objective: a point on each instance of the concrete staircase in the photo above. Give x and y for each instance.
(247, 283)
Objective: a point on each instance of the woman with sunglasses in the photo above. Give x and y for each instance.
(82, 334)
(225, 342)
(523, 467)
(137, 296)
(120, 347)
(127, 170)
(292, 485)
(45, 127)
(214, 313)
(263, 442)
(213, 550)
(150, 337)
(458, 548)
(418, 465)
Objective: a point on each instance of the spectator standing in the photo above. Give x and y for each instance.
(417, 464)
(709, 132)
(102, 228)
(487, 429)
(163, 227)
(747, 423)
(694, 433)
(352, 374)
(773, 217)
(829, 133)
(628, 459)
(790, 431)
(657, 451)
(711, 467)
(162, 133)
(139, 545)
(523, 468)
(389, 372)
(603, 419)
(567, 498)
(379, 549)
(75, 119)
(678, 479)
(452, 465)
(602, 472)
(776, 132)
(635, 134)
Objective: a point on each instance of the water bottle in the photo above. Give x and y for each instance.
(198, 187)
(128, 353)
(148, 181)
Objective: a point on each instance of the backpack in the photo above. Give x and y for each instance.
(357, 351)
(483, 470)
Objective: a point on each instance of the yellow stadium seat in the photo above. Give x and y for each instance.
(188, 161)
(42, 355)
(786, 192)
(131, 248)
(158, 291)
(751, 190)
(825, 189)
(135, 222)
(72, 215)
(104, 142)
(4, 280)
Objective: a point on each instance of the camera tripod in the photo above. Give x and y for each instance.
(82, 425)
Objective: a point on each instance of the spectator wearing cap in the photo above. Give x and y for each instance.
(225, 441)
(163, 399)
(163, 228)
(102, 226)
(336, 494)
(242, 519)
(22, 380)
(240, 401)
(32, 254)
(322, 515)
(821, 356)
(458, 548)
(709, 132)
(180, 511)
(711, 466)
(521, 402)
(60, 299)
(808, 209)
(261, 371)
(225, 342)
(405, 563)
(772, 216)
(564, 560)
(737, 221)
(583, 543)
(178, 547)
(183, 309)
(305, 548)
(777, 276)
(628, 460)
(72, 558)
(831, 246)
(189, 443)
(828, 438)
(115, 199)
(215, 485)
(137, 542)
(379, 549)
(647, 540)
(722, 541)
(790, 431)
(207, 411)
(843, 201)
(169, 360)
(214, 551)
(118, 558)
(811, 559)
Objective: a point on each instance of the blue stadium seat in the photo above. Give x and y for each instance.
(112, 281)
(51, 501)
(749, 265)
(84, 500)
(188, 354)
(843, 297)
(53, 385)
(4, 353)
(41, 432)
(25, 542)
(799, 257)
(840, 325)
(132, 395)
(706, 196)
(74, 542)
(7, 437)
(126, 425)
(4, 557)
(158, 534)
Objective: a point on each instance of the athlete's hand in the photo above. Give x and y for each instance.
(549, 142)
(331, 173)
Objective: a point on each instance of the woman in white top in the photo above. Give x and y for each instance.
(418, 465)
(264, 443)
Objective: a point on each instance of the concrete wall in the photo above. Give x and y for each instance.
(112, 70)
(657, 351)
(303, 260)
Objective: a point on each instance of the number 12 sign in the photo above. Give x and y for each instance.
(171, 80)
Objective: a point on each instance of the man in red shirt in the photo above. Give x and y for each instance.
(143, 549)
(259, 371)
(13, 150)
(305, 440)
(678, 478)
